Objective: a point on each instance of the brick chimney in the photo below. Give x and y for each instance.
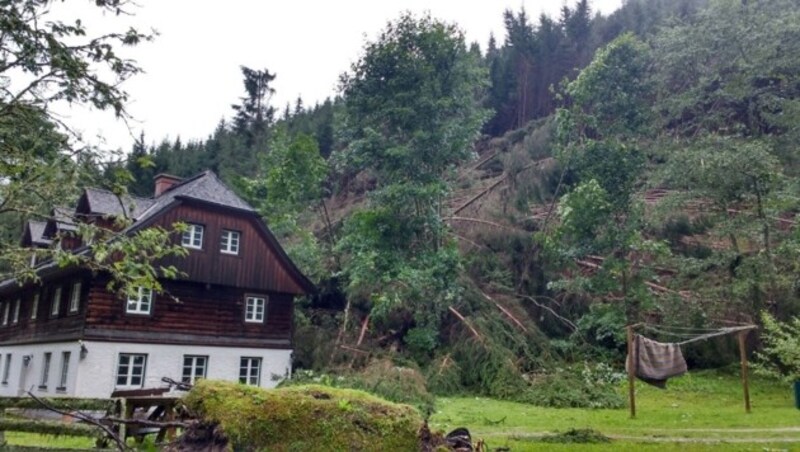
(164, 182)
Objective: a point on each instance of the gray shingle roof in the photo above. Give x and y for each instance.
(205, 186)
(64, 218)
(36, 229)
(103, 202)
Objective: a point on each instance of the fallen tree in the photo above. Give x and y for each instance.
(301, 418)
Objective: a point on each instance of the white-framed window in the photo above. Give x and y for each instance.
(255, 308)
(229, 243)
(62, 381)
(194, 367)
(55, 302)
(250, 371)
(6, 369)
(130, 370)
(34, 306)
(15, 315)
(6, 309)
(45, 370)
(193, 237)
(140, 302)
(75, 297)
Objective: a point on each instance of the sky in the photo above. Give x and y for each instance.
(192, 69)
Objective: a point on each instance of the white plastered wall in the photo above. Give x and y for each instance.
(94, 375)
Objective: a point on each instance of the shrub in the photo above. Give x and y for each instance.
(591, 387)
(304, 418)
(381, 377)
(781, 355)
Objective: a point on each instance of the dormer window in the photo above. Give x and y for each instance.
(229, 244)
(140, 301)
(193, 237)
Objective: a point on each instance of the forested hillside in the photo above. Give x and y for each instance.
(494, 215)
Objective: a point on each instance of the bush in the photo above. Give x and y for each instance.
(381, 377)
(781, 355)
(309, 417)
(591, 387)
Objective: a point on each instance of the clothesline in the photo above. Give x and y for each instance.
(690, 338)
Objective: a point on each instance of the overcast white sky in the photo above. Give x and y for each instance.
(192, 69)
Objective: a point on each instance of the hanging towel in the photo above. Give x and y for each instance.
(655, 362)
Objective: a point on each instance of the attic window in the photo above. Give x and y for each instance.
(193, 237)
(229, 244)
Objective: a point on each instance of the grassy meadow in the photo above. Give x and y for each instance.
(701, 411)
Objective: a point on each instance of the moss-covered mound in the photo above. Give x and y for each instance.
(305, 418)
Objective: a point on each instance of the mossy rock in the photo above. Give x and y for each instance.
(305, 418)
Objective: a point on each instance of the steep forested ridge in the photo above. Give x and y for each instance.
(494, 218)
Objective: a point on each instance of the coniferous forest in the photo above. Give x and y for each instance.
(490, 215)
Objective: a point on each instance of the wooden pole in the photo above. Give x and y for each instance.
(631, 372)
(743, 355)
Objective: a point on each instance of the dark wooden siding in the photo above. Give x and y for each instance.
(45, 328)
(256, 266)
(191, 313)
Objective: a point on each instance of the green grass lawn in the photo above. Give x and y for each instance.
(703, 406)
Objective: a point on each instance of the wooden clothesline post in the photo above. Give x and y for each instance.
(631, 372)
(743, 356)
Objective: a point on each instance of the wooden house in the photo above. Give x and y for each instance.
(229, 316)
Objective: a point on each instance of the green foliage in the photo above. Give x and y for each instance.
(411, 99)
(42, 166)
(608, 96)
(381, 377)
(780, 357)
(303, 417)
(412, 113)
(386, 264)
(731, 71)
(290, 178)
(573, 388)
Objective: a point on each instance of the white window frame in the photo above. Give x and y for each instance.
(75, 298)
(135, 304)
(6, 309)
(193, 237)
(47, 358)
(249, 364)
(230, 241)
(196, 362)
(7, 369)
(129, 374)
(63, 379)
(252, 313)
(15, 316)
(35, 305)
(55, 302)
